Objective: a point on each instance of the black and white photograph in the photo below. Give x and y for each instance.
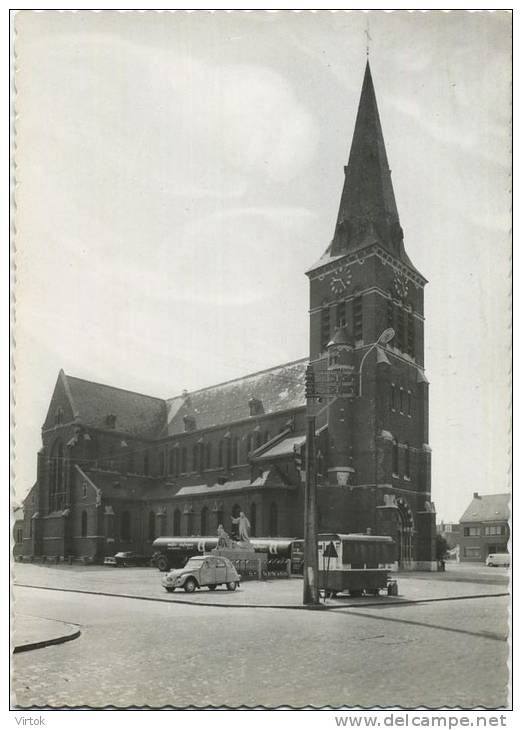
(261, 360)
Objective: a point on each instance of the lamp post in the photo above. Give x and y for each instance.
(310, 565)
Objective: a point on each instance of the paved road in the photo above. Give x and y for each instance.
(134, 652)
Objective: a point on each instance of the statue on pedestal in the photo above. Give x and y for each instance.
(243, 526)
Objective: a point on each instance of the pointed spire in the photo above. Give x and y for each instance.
(367, 213)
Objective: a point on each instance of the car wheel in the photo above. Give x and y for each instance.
(170, 590)
(232, 586)
(190, 585)
(212, 588)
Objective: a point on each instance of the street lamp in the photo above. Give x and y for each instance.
(384, 338)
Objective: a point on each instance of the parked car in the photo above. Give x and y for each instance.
(495, 559)
(202, 570)
(126, 559)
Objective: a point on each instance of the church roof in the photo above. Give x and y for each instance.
(487, 508)
(136, 414)
(278, 389)
(367, 211)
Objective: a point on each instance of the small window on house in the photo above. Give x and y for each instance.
(183, 460)
(393, 398)
(146, 463)
(58, 416)
(189, 423)
(171, 461)
(208, 455)
(401, 401)
(255, 406)
(220, 453)
(236, 450)
(195, 457)
(161, 463)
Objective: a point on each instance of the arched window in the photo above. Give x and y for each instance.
(220, 453)
(401, 396)
(58, 416)
(190, 523)
(204, 520)
(125, 531)
(152, 526)
(162, 524)
(393, 398)
(161, 463)
(234, 527)
(253, 519)
(84, 523)
(56, 480)
(236, 452)
(208, 455)
(146, 463)
(273, 527)
(176, 461)
(407, 461)
(220, 516)
(228, 453)
(183, 465)
(176, 524)
(395, 457)
(195, 457)
(171, 461)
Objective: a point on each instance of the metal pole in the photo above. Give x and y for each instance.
(310, 587)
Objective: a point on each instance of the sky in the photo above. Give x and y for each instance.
(177, 173)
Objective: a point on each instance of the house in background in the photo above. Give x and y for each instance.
(484, 527)
(450, 531)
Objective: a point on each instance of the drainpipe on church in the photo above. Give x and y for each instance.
(310, 571)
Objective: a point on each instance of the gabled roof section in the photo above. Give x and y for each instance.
(280, 388)
(487, 508)
(367, 212)
(136, 414)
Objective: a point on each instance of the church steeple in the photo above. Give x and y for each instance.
(367, 212)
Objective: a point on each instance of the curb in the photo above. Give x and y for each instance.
(319, 607)
(46, 642)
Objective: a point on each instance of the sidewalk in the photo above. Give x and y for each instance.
(32, 632)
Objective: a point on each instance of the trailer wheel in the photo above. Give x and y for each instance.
(163, 564)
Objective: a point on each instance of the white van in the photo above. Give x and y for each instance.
(495, 559)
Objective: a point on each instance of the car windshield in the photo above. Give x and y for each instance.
(193, 564)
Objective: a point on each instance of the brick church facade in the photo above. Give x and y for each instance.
(118, 469)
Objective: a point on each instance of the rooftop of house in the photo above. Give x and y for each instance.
(487, 508)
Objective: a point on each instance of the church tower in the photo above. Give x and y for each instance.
(367, 350)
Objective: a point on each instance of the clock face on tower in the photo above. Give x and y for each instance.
(400, 283)
(340, 281)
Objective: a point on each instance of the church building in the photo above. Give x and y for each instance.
(118, 469)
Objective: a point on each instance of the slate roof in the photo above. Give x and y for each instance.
(136, 414)
(283, 448)
(487, 508)
(367, 211)
(278, 389)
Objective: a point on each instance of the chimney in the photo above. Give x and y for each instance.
(476, 495)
